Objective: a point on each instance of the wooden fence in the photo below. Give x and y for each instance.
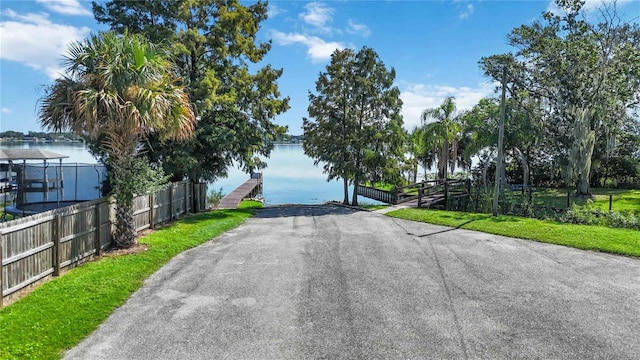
(43, 245)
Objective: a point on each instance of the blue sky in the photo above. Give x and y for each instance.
(434, 47)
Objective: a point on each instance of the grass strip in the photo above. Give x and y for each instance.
(62, 312)
(598, 238)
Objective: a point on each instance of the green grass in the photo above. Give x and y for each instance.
(623, 200)
(599, 238)
(380, 186)
(60, 313)
(373, 207)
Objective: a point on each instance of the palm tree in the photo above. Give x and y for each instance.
(117, 90)
(443, 133)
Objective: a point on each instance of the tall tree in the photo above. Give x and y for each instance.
(583, 74)
(329, 132)
(443, 127)
(355, 126)
(215, 44)
(118, 91)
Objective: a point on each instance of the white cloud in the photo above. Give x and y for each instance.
(354, 28)
(318, 15)
(589, 5)
(5, 110)
(466, 12)
(318, 49)
(418, 97)
(273, 10)
(66, 7)
(32, 39)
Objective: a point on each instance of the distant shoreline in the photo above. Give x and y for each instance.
(15, 141)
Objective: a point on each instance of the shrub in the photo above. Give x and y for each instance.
(214, 197)
(588, 215)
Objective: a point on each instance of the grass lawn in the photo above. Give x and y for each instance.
(374, 207)
(599, 238)
(623, 200)
(60, 313)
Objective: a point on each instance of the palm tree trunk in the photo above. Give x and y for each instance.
(125, 233)
(445, 154)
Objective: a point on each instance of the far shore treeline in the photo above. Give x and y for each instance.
(65, 137)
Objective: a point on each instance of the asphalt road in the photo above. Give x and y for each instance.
(311, 282)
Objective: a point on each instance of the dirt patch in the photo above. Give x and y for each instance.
(132, 250)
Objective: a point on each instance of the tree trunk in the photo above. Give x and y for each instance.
(525, 166)
(445, 156)
(125, 235)
(582, 150)
(346, 192)
(485, 170)
(354, 198)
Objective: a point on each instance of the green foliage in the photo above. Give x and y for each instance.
(120, 89)
(134, 176)
(579, 78)
(439, 136)
(598, 238)
(62, 312)
(214, 43)
(355, 126)
(591, 215)
(214, 197)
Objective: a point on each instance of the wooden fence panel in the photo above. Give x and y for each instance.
(77, 235)
(162, 211)
(105, 224)
(28, 251)
(141, 209)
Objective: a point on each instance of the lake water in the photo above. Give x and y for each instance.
(290, 177)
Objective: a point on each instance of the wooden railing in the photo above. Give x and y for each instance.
(428, 193)
(377, 194)
(453, 194)
(43, 245)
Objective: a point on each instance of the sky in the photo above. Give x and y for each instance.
(434, 47)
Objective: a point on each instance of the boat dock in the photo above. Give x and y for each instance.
(250, 189)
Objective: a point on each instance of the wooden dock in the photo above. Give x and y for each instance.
(251, 188)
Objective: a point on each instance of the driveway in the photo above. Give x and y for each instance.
(310, 282)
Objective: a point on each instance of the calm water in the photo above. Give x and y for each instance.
(82, 180)
(290, 178)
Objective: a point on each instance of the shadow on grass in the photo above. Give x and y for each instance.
(501, 219)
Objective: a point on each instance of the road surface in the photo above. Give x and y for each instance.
(327, 282)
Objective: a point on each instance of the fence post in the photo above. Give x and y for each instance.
(187, 208)
(446, 195)
(57, 224)
(610, 201)
(98, 235)
(420, 189)
(171, 202)
(152, 205)
(195, 197)
(1, 271)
